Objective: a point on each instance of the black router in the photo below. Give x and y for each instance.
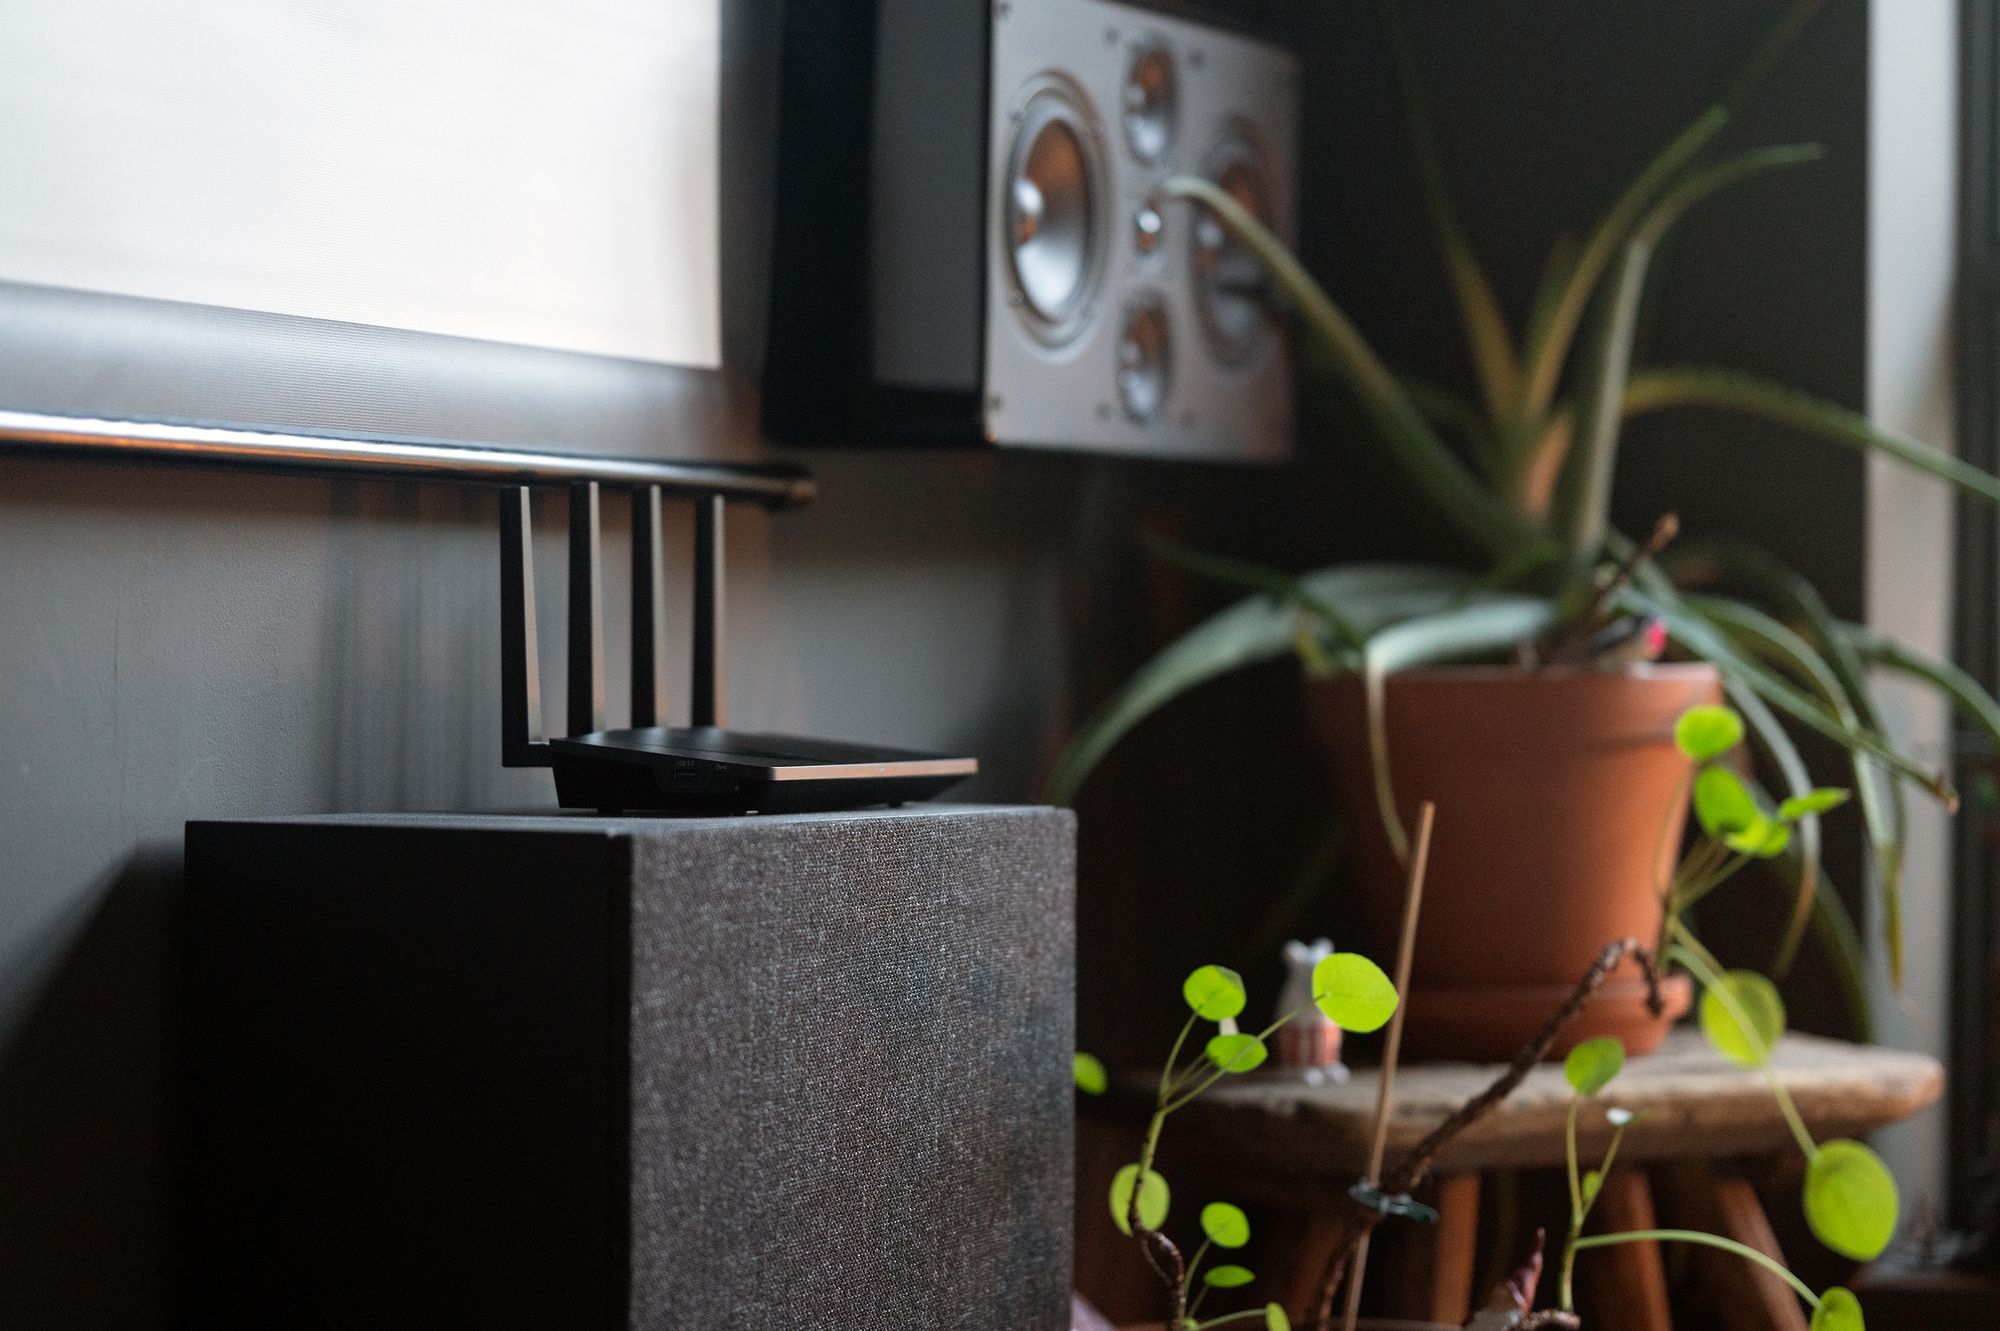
(651, 768)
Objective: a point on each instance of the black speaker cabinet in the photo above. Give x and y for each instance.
(577, 1072)
(971, 244)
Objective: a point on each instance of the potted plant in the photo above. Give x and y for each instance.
(1505, 692)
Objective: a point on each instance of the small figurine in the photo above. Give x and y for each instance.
(1309, 1042)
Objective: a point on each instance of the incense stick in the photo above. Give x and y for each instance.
(1413, 900)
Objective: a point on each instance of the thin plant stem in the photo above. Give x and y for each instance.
(1173, 1054)
(1742, 1250)
(1194, 1262)
(1569, 1141)
(1666, 829)
(1581, 1212)
(1697, 959)
(1695, 891)
(1243, 1316)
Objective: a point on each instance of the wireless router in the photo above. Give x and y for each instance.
(648, 767)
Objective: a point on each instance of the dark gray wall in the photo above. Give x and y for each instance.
(176, 646)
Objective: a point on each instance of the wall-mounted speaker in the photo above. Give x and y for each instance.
(971, 245)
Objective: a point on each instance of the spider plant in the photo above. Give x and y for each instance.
(1525, 471)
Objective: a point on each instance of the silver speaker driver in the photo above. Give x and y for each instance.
(1229, 284)
(1145, 359)
(1054, 210)
(1151, 107)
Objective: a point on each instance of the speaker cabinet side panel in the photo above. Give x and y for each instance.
(850, 1091)
(926, 200)
(402, 1100)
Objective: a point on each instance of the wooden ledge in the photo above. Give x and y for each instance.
(1691, 1102)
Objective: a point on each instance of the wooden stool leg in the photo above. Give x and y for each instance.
(1316, 1237)
(1414, 1270)
(1746, 1296)
(1625, 1285)
(1457, 1238)
(1424, 1272)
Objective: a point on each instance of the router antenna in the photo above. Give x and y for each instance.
(586, 612)
(521, 741)
(649, 657)
(709, 706)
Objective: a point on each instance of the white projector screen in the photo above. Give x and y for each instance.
(534, 172)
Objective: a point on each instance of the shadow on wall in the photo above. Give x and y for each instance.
(86, 1111)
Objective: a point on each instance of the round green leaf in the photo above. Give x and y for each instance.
(1090, 1076)
(1757, 998)
(1722, 803)
(1762, 839)
(1275, 1319)
(1353, 992)
(1153, 1198)
(1227, 1277)
(1214, 992)
(1707, 732)
(1838, 1310)
(1806, 805)
(1236, 1053)
(1850, 1200)
(1225, 1225)
(1592, 1064)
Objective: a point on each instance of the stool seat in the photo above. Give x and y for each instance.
(1692, 1103)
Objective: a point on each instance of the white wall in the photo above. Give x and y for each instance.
(1912, 261)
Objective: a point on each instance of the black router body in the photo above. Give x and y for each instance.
(647, 767)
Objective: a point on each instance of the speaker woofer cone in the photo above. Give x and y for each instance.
(1053, 212)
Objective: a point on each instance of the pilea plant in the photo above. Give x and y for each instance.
(1353, 992)
(1850, 1198)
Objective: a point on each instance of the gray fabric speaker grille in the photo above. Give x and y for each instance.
(849, 1050)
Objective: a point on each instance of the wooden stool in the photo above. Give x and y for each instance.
(1705, 1127)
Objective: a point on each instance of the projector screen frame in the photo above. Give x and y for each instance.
(108, 357)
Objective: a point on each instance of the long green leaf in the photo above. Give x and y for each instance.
(1972, 701)
(1443, 407)
(1718, 559)
(1245, 575)
(1548, 352)
(1260, 628)
(1965, 692)
(1550, 334)
(1471, 630)
(1417, 448)
(1494, 358)
(1770, 738)
(1731, 390)
(1773, 640)
(1833, 929)
(1698, 636)
(1607, 368)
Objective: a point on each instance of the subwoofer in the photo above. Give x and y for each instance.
(972, 244)
(662, 1074)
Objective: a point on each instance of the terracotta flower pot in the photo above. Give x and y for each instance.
(1552, 789)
